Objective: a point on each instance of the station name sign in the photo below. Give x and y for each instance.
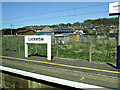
(36, 39)
(114, 8)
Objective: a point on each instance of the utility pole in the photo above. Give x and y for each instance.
(11, 29)
(13, 26)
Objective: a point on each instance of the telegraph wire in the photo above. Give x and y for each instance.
(60, 16)
(51, 12)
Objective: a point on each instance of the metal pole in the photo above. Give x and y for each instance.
(118, 47)
(119, 31)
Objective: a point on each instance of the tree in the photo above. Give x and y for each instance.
(88, 20)
(76, 24)
(8, 30)
(68, 24)
(85, 30)
(62, 25)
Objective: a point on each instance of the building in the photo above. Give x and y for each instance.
(74, 37)
(61, 39)
(114, 29)
(63, 31)
(25, 32)
(42, 30)
(62, 35)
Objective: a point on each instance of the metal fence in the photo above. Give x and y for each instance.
(101, 48)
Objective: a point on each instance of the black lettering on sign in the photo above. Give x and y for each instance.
(36, 39)
(114, 6)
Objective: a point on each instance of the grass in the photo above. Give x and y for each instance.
(102, 50)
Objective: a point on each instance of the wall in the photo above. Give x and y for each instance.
(12, 81)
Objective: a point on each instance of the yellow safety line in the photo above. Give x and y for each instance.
(106, 79)
(62, 65)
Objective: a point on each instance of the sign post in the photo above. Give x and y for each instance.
(38, 39)
(114, 9)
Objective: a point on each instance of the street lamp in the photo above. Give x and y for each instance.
(114, 9)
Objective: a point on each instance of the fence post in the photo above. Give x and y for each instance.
(90, 50)
(36, 49)
(19, 46)
(57, 47)
(5, 46)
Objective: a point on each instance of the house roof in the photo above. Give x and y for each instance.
(24, 31)
(42, 29)
(46, 29)
(63, 31)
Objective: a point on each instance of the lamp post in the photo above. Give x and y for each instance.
(114, 9)
(118, 47)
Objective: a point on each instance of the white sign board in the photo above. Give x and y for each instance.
(38, 39)
(114, 8)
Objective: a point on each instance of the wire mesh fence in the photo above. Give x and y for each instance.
(101, 48)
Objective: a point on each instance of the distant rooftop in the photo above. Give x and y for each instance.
(63, 31)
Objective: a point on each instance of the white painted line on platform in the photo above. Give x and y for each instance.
(49, 78)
